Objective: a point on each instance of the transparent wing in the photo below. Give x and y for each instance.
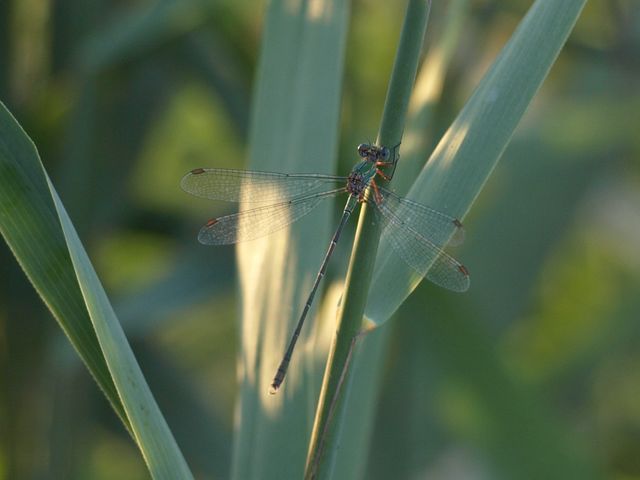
(260, 221)
(421, 254)
(249, 186)
(440, 228)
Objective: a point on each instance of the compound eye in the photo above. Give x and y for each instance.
(362, 149)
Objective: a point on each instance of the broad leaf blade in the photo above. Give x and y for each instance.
(150, 430)
(29, 225)
(294, 129)
(470, 149)
(55, 261)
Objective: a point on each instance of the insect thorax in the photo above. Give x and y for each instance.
(356, 184)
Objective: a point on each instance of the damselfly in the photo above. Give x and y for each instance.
(417, 233)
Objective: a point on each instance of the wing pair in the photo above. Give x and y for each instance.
(416, 232)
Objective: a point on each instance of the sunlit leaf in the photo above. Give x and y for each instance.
(471, 148)
(294, 129)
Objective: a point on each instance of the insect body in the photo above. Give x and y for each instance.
(416, 232)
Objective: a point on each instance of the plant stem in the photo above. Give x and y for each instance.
(327, 426)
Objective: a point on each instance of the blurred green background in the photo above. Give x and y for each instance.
(122, 98)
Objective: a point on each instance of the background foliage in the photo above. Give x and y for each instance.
(122, 98)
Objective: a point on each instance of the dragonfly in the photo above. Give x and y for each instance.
(417, 233)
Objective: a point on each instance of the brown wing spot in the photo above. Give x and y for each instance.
(197, 171)
(212, 222)
(463, 270)
(457, 223)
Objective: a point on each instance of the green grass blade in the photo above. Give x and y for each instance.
(150, 430)
(469, 151)
(294, 128)
(368, 361)
(327, 430)
(33, 219)
(29, 225)
(418, 136)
